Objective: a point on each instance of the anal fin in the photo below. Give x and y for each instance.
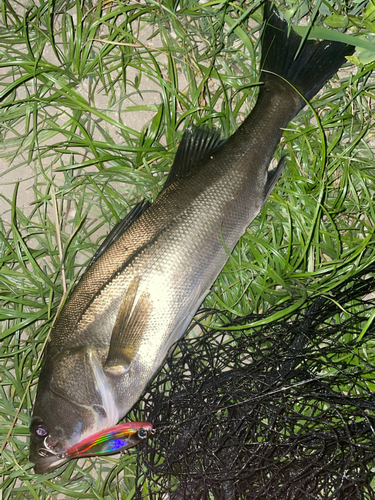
(273, 177)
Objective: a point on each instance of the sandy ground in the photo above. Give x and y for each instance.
(15, 169)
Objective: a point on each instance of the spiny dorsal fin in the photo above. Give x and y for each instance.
(120, 228)
(128, 331)
(196, 144)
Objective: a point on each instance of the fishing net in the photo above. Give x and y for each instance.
(282, 411)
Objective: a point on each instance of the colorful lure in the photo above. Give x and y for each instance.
(111, 440)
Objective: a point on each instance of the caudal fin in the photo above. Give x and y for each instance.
(316, 62)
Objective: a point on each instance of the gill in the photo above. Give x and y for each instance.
(108, 400)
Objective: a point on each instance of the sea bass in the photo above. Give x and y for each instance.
(153, 271)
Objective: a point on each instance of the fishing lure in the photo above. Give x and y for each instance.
(112, 440)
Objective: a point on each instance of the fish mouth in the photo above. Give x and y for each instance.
(48, 464)
(46, 459)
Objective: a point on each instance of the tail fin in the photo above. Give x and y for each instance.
(314, 65)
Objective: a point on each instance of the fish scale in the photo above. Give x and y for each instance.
(152, 273)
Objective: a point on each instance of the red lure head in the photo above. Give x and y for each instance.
(111, 440)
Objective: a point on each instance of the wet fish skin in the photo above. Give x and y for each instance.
(143, 289)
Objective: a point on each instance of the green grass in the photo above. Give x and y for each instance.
(93, 102)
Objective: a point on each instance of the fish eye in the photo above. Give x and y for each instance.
(142, 433)
(41, 431)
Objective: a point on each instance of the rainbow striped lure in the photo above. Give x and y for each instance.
(111, 440)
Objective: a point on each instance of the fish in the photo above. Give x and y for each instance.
(152, 272)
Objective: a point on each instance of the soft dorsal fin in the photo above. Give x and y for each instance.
(196, 144)
(128, 330)
(120, 228)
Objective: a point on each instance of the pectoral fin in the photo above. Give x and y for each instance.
(129, 329)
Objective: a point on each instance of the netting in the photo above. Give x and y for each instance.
(282, 411)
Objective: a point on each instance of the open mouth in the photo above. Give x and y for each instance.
(106, 442)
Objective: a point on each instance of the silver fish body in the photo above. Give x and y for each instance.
(140, 294)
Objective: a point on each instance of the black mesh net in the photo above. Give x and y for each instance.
(282, 411)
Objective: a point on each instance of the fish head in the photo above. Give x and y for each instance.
(55, 427)
(72, 403)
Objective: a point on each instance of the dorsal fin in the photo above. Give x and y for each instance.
(196, 144)
(120, 229)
